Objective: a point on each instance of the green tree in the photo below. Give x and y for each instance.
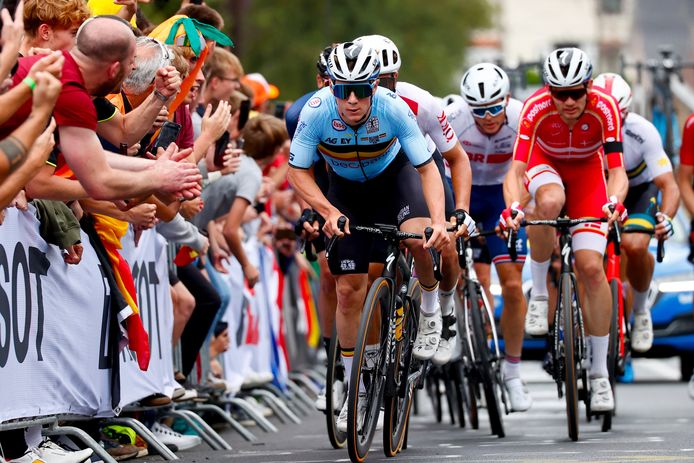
(282, 40)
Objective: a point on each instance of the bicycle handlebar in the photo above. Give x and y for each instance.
(390, 230)
(435, 256)
(310, 216)
(660, 251)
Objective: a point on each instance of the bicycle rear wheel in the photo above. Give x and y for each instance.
(570, 377)
(360, 435)
(397, 406)
(485, 360)
(613, 349)
(335, 373)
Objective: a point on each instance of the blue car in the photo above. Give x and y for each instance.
(672, 304)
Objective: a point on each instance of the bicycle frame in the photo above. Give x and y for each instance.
(471, 275)
(613, 271)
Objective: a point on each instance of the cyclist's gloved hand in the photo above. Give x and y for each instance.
(331, 226)
(439, 238)
(664, 228)
(615, 210)
(467, 223)
(309, 227)
(511, 216)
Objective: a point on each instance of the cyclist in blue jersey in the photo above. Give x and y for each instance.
(327, 300)
(380, 172)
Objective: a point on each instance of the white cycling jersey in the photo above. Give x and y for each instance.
(644, 156)
(431, 118)
(490, 155)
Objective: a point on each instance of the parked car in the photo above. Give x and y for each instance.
(672, 304)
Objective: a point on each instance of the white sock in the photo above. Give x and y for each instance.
(510, 368)
(538, 271)
(347, 362)
(32, 436)
(598, 366)
(446, 300)
(639, 303)
(429, 301)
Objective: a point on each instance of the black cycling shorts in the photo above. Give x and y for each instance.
(391, 198)
(641, 204)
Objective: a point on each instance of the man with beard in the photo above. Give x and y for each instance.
(96, 66)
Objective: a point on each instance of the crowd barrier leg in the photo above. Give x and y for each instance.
(315, 375)
(287, 398)
(304, 380)
(224, 445)
(236, 426)
(146, 435)
(301, 395)
(277, 405)
(194, 423)
(248, 409)
(55, 430)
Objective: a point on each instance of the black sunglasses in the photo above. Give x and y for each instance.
(563, 95)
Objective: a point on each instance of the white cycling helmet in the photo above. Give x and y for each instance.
(616, 86)
(566, 67)
(387, 51)
(354, 62)
(484, 83)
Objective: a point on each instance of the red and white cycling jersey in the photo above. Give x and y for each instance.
(597, 131)
(490, 155)
(687, 148)
(431, 118)
(572, 157)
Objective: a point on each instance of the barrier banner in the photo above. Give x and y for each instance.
(148, 263)
(53, 349)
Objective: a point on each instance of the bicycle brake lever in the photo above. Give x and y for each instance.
(341, 222)
(435, 256)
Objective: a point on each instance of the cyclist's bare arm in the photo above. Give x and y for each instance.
(617, 183)
(513, 182)
(685, 177)
(670, 200)
(304, 183)
(434, 196)
(461, 175)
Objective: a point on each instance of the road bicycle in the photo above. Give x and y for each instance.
(619, 341)
(567, 336)
(481, 353)
(391, 309)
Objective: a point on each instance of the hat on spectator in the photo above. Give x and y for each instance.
(262, 90)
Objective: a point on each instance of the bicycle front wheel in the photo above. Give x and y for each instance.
(368, 372)
(485, 359)
(613, 349)
(334, 393)
(569, 339)
(397, 405)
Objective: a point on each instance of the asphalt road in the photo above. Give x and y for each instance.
(655, 422)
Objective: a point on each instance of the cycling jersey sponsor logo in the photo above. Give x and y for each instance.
(411, 115)
(585, 127)
(372, 125)
(524, 137)
(446, 127)
(300, 128)
(374, 138)
(404, 212)
(314, 102)
(347, 265)
(609, 117)
(635, 136)
(532, 114)
(338, 125)
(392, 95)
